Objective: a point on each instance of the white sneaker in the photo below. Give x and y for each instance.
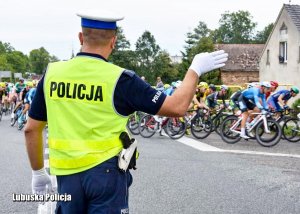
(244, 136)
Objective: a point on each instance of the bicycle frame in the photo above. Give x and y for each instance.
(261, 117)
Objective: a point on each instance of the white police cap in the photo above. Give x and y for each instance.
(99, 19)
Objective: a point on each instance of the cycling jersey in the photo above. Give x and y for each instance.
(286, 95)
(3, 92)
(24, 93)
(234, 98)
(212, 99)
(273, 100)
(254, 95)
(169, 91)
(19, 87)
(29, 96)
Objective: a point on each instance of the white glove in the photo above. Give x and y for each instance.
(41, 179)
(205, 62)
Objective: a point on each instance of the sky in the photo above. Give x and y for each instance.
(53, 24)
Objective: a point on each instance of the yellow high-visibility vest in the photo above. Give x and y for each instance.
(83, 124)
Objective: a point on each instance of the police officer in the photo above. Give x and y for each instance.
(86, 102)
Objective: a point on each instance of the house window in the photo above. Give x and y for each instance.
(283, 29)
(282, 52)
(268, 57)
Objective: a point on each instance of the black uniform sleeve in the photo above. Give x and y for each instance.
(38, 109)
(133, 94)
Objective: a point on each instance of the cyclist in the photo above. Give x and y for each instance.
(278, 101)
(22, 95)
(234, 98)
(201, 93)
(20, 86)
(274, 86)
(28, 100)
(174, 85)
(251, 99)
(3, 96)
(212, 99)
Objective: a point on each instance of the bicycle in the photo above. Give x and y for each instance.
(1, 110)
(217, 118)
(291, 129)
(133, 122)
(267, 131)
(200, 123)
(174, 127)
(16, 115)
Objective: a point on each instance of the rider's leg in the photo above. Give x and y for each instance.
(245, 115)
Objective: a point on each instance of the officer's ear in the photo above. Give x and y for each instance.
(80, 36)
(113, 42)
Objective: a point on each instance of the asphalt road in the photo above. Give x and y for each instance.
(173, 177)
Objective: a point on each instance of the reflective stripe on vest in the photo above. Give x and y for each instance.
(83, 125)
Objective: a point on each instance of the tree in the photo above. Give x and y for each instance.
(122, 55)
(262, 36)
(193, 37)
(122, 43)
(5, 48)
(164, 68)
(235, 28)
(39, 59)
(18, 61)
(192, 40)
(4, 65)
(146, 51)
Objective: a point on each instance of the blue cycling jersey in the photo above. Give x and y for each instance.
(255, 95)
(169, 91)
(286, 95)
(30, 95)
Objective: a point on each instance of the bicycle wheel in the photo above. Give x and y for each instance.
(228, 134)
(270, 138)
(133, 124)
(218, 121)
(201, 126)
(148, 126)
(291, 130)
(176, 127)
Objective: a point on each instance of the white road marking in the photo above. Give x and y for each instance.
(208, 148)
(198, 145)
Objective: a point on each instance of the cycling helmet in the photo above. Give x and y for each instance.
(21, 80)
(266, 84)
(203, 85)
(224, 87)
(35, 82)
(30, 84)
(177, 83)
(2, 84)
(212, 87)
(274, 84)
(295, 89)
(250, 85)
(166, 85)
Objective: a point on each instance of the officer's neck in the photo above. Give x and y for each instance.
(103, 51)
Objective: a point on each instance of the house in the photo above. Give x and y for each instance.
(242, 65)
(281, 55)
